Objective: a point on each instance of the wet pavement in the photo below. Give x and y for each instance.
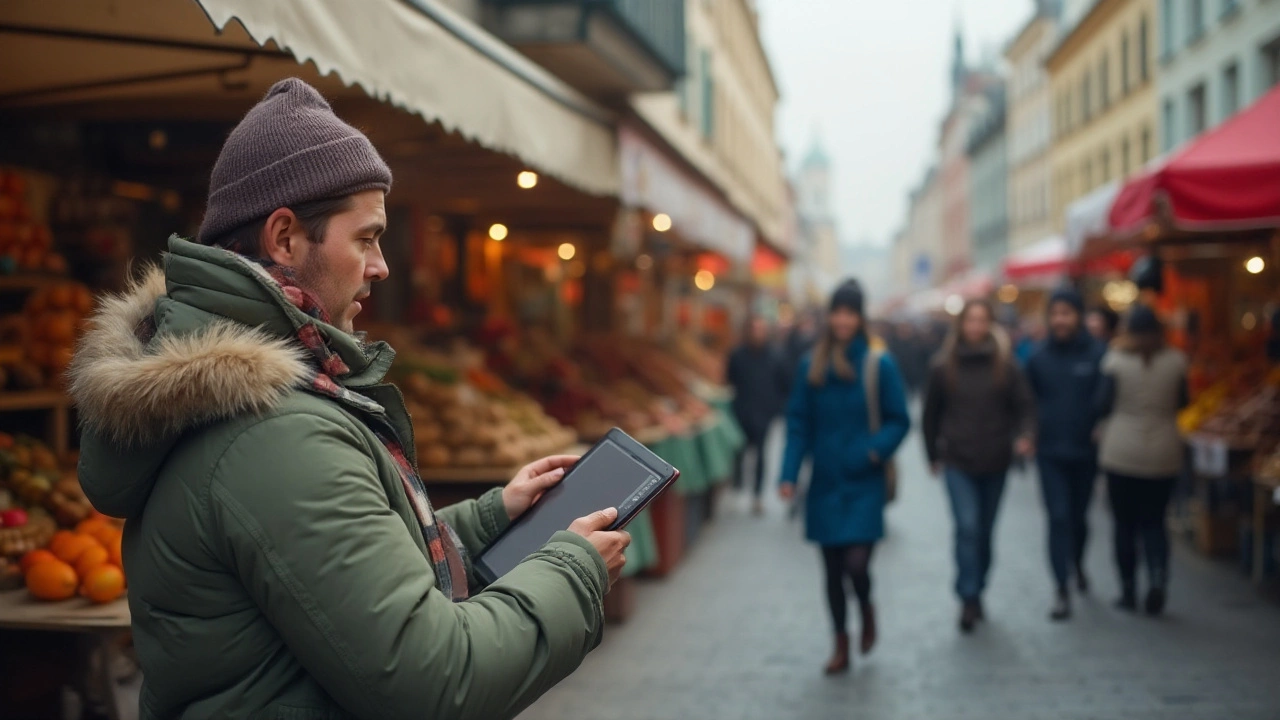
(740, 631)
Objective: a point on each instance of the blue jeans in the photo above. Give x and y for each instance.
(1068, 490)
(975, 500)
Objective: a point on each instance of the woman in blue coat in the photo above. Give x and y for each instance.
(829, 420)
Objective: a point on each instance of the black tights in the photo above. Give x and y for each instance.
(852, 562)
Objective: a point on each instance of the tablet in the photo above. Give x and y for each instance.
(616, 472)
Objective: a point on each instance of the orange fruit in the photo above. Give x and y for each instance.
(60, 327)
(36, 556)
(52, 580)
(60, 539)
(90, 559)
(92, 526)
(98, 529)
(114, 549)
(83, 300)
(71, 550)
(103, 584)
(61, 297)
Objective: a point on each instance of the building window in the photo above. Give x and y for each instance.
(1086, 97)
(1068, 114)
(1195, 22)
(1229, 8)
(1166, 30)
(1146, 145)
(1271, 64)
(1124, 157)
(1124, 64)
(1196, 115)
(1104, 81)
(1087, 172)
(1106, 165)
(1144, 50)
(1230, 90)
(1167, 130)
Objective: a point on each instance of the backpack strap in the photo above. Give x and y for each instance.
(871, 386)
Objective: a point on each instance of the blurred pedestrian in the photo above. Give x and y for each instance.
(758, 377)
(800, 340)
(848, 411)
(911, 354)
(1144, 385)
(1064, 373)
(1030, 336)
(1103, 322)
(977, 413)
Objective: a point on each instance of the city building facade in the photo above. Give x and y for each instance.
(1029, 127)
(1102, 80)
(988, 184)
(1216, 58)
(721, 116)
(816, 267)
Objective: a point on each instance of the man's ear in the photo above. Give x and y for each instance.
(283, 239)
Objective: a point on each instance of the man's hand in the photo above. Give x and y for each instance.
(534, 479)
(1023, 447)
(609, 543)
(786, 490)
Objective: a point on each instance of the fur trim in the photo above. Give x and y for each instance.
(131, 394)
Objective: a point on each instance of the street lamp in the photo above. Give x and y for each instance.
(498, 232)
(1255, 265)
(566, 251)
(527, 179)
(662, 222)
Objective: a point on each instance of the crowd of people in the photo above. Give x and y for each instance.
(1079, 391)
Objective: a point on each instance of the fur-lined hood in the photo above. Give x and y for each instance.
(132, 390)
(209, 337)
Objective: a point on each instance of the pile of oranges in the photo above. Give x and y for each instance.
(86, 560)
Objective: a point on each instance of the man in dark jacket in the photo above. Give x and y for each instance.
(1064, 373)
(759, 380)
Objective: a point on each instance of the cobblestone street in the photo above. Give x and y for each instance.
(740, 632)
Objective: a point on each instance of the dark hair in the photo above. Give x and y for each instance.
(1144, 332)
(949, 355)
(828, 354)
(1110, 317)
(313, 216)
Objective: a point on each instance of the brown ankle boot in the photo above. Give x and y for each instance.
(839, 661)
(868, 628)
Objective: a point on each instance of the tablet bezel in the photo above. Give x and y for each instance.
(646, 457)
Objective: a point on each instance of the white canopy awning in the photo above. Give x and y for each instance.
(426, 58)
(1087, 217)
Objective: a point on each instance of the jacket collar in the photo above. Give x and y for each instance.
(208, 337)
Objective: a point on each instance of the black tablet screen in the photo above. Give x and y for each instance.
(608, 477)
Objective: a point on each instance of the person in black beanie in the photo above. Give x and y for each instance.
(1064, 373)
(848, 412)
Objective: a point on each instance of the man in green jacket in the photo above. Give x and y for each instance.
(282, 556)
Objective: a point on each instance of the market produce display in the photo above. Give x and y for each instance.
(37, 344)
(1244, 411)
(600, 382)
(467, 417)
(25, 245)
(37, 497)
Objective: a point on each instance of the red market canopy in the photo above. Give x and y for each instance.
(1227, 179)
(1050, 261)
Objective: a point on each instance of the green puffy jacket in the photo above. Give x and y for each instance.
(275, 566)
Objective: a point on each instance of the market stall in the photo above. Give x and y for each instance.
(1209, 213)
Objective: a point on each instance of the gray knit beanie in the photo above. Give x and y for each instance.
(290, 148)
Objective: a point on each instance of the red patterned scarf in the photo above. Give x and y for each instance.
(444, 549)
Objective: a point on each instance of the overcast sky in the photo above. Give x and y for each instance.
(871, 77)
